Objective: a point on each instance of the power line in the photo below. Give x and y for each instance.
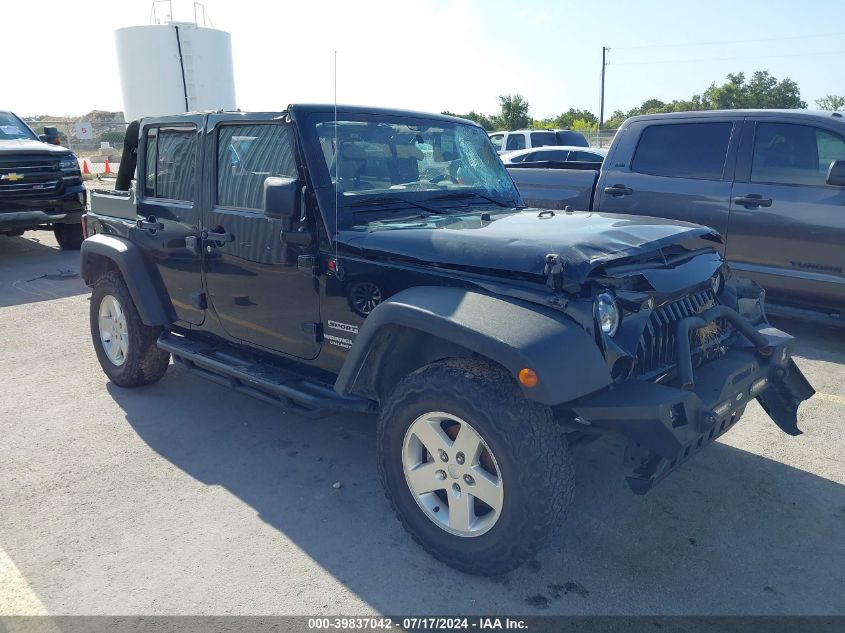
(744, 41)
(719, 59)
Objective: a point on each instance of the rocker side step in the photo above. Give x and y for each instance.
(261, 380)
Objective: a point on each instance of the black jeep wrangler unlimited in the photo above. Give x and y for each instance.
(40, 184)
(380, 260)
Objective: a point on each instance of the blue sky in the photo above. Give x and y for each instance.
(441, 54)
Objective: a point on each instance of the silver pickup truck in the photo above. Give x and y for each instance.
(772, 182)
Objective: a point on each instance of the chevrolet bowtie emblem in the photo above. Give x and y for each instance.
(13, 177)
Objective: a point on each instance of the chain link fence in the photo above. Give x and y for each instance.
(91, 140)
(599, 138)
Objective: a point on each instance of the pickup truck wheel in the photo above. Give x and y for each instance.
(126, 348)
(478, 474)
(69, 236)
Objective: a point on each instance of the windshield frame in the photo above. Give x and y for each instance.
(318, 171)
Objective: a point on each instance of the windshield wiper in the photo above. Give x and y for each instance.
(457, 195)
(380, 200)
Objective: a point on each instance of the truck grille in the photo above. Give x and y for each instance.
(658, 349)
(40, 174)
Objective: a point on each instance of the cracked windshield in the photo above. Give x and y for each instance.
(371, 161)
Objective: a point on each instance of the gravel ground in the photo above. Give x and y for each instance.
(182, 498)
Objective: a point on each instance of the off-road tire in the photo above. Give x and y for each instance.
(145, 363)
(536, 471)
(69, 236)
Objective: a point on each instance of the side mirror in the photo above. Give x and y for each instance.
(282, 197)
(51, 135)
(836, 173)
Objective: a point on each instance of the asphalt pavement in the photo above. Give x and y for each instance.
(185, 498)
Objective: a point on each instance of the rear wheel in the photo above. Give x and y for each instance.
(126, 348)
(476, 473)
(69, 236)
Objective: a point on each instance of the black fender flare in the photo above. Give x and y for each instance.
(144, 286)
(510, 332)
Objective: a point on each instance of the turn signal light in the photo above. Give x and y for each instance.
(528, 377)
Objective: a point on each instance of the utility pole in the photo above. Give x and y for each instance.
(604, 50)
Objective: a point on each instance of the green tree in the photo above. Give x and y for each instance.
(583, 125)
(482, 119)
(513, 113)
(831, 102)
(542, 124)
(566, 119)
(762, 91)
(615, 120)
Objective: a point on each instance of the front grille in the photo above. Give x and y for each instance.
(40, 174)
(657, 352)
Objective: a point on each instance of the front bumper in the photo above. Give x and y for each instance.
(31, 211)
(666, 423)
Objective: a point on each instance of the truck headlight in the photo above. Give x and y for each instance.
(69, 163)
(607, 312)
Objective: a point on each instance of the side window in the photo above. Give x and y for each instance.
(170, 163)
(549, 154)
(541, 139)
(246, 156)
(150, 162)
(516, 141)
(588, 157)
(787, 153)
(831, 148)
(684, 150)
(521, 158)
(497, 139)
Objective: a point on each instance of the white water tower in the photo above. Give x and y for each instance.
(174, 67)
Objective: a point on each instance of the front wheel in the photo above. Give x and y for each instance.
(125, 346)
(69, 236)
(478, 474)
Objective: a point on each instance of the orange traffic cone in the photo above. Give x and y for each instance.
(85, 169)
(108, 167)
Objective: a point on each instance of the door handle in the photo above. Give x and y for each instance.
(219, 238)
(150, 225)
(618, 190)
(753, 200)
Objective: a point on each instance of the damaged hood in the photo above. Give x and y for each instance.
(519, 241)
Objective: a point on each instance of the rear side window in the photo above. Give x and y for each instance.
(568, 137)
(540, 139)
(246, 156)
(550, 154)
(516, 141)
(686, 150)
(170, 163)
(786, 153)
(588, 157)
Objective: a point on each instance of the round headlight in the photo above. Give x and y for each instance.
(716, 283)
(608, 313)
